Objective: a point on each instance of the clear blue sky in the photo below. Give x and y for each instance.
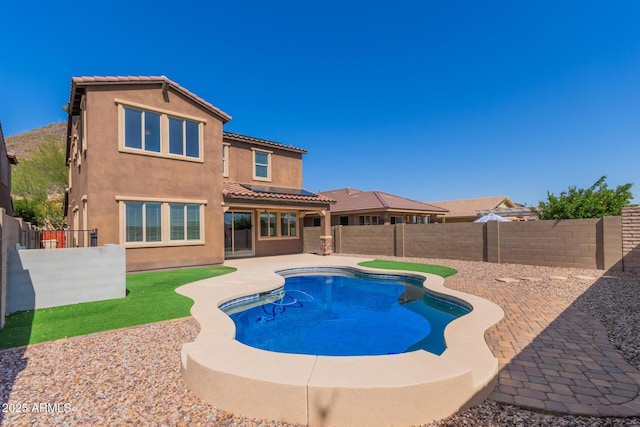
(431, 100)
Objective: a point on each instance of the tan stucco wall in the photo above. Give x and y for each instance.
(269, 247)
(106, 173)
(286, 166)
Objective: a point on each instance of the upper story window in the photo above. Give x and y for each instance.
(262, 165)
(225, 160)
(184, 137)
(159, 133)
(142, 130)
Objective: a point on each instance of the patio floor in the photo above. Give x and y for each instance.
(553, 357)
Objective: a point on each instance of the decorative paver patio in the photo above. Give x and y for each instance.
(553, 357)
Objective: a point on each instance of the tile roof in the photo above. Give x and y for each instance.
(103, 80)
(235, 190)
(470, 207)
(351, 199)
(261, 142)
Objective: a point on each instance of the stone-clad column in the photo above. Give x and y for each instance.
(326, 245)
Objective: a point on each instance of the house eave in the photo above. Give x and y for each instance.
(160, 81)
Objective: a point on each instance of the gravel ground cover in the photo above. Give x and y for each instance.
(132, 376)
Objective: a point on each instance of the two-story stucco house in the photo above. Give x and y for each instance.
(151, 168)
(6, 160)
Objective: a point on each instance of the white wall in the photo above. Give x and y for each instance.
(41, 278)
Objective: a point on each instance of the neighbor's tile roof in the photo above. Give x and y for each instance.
(351, 199)
(470, 207)
(262, 142)
(105, 80)
(235, 190)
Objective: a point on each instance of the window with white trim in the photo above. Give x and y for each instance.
(261, 165)
(141, 130)
(161, 222)
(184, 220)
(278, 225)
(160, 133)
(225, 160)
(288, 224)
(143, 222)
(268, 222)
(184, 137)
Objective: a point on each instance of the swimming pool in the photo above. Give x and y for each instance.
(403, 389)
(344, 312)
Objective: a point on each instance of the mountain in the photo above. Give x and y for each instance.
(25, 143)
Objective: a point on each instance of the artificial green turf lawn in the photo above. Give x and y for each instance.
(151, 297)
(410, 266)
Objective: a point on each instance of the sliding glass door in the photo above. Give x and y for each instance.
(238, 234)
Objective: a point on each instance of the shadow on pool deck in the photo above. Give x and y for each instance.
(556, 358)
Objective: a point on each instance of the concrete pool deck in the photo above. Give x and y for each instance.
(401, 389)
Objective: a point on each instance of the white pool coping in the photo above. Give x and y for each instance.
(400, 389)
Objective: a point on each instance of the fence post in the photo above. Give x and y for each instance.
(337, 238)
(398, 236)
(492, 241)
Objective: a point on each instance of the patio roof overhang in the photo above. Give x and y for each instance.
(274, 197)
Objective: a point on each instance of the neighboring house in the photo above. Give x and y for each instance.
(6, 160)
(469, 210)
(357, 207)
(151, 168)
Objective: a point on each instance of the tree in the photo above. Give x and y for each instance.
(596, 201)
(39, 183)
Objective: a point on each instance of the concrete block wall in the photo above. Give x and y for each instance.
(610, 243)
(462, 241)
(311, 240)
(631, 239)
(550, 243)
(364, 239)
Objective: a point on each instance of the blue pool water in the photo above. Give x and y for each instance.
(352, 315)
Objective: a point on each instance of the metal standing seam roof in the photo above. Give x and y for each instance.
(235, 190)
(351, 199)
(105, 80)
